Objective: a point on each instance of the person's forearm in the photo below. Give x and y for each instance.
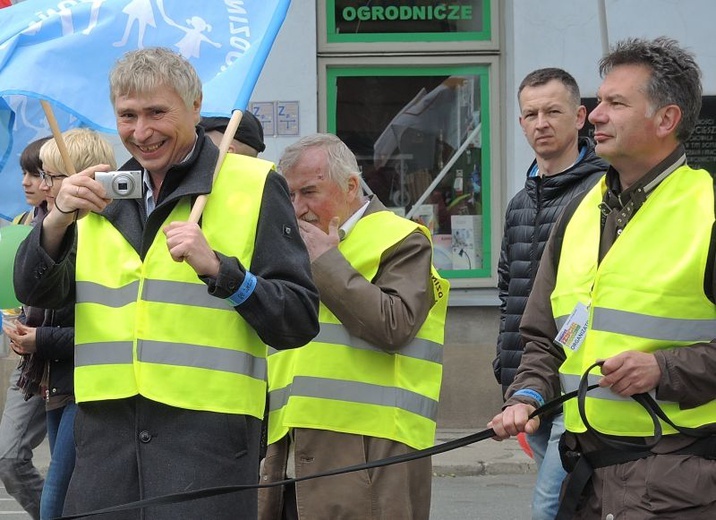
(541, 359)
(282, 307)
(38, 280)
(53, 234)
(687, 374)
(389, 310)
(55, 342)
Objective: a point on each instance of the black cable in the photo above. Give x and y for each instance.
(644, 400)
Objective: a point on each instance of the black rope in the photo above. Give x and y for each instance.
(186, 496)
(609, 441)
(645, 400)
(648, 403)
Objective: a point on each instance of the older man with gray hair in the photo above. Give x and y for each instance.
(368, 386)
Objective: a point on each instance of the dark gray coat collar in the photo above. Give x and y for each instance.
(191, 178)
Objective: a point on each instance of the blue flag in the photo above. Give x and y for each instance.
(22, 120)
(63, 50)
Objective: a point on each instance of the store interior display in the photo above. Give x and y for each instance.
(418, 143)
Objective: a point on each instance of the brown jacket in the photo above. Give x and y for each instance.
(665, 485)
(387, 312)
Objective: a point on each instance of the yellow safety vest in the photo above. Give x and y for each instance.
(23, 218)
(646, 294)
(342, 383)
(151, 328)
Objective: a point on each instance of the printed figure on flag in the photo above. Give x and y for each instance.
(62, 50)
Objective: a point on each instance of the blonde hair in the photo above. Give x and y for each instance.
(85, 147)
(143, 70)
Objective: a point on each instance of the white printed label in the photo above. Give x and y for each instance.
(572, 333)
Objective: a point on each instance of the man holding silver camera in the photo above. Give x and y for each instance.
(172, 318)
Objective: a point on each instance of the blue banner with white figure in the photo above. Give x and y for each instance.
(63, 50)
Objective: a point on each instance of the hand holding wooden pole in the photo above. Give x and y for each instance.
(229, 134)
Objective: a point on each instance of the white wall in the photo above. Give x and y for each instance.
(290, 73)
(566, 34)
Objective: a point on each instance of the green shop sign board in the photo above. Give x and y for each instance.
(407, 20)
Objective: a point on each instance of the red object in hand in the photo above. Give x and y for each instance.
(522, 439)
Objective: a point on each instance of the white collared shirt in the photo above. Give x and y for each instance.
(149, 202)
(349, 224)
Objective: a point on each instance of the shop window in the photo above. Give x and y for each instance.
(421, 136)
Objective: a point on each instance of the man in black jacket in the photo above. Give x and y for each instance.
(565, 165)
(170, 376)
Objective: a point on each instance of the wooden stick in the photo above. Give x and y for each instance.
(50, 115)
(229, 134)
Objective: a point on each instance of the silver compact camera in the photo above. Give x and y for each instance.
(121, 185)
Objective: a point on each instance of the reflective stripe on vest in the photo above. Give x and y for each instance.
(161, 291)
(177, 354)
(646, 294)
(355, 392)
(652, 327)
(151, 328)
(342, 383)
(418, 348)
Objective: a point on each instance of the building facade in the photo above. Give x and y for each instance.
(424, 93)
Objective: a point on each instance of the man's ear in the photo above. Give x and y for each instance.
(354, 187)
(669, 118)
(581, 116)
(196, 108)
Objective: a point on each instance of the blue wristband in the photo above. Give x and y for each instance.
(243, 292)
(532, 394)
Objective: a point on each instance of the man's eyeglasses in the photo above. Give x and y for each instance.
(50, 179)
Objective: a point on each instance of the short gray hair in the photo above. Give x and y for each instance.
(141, 71)
(342, 162)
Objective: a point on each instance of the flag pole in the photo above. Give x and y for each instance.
(603, 27)
(229, 134)
(57, 134)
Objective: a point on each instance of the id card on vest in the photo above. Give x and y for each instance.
(572, 333)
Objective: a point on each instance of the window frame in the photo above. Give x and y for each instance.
(469, 41)
(487, 68)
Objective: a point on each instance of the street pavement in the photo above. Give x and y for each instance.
(495, 461)
(488, 457)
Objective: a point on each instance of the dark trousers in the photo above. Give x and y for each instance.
(290, 510)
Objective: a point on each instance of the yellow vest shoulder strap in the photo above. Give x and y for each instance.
(561, 225)
(23, 218)
(710, 278)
